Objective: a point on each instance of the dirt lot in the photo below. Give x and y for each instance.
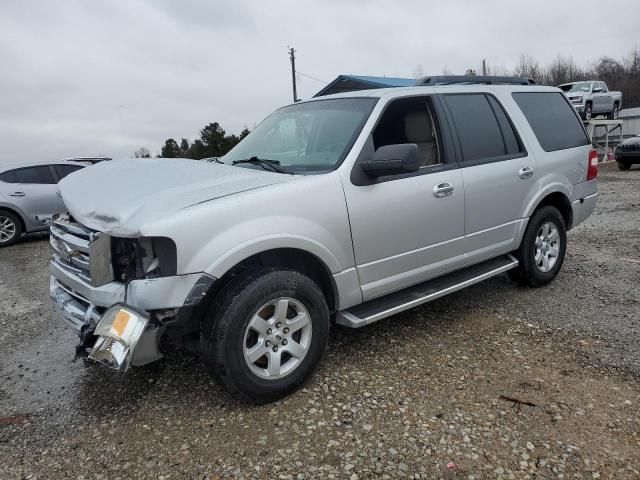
(493, 382)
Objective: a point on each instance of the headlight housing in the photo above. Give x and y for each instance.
(146, 257)
(118, 332)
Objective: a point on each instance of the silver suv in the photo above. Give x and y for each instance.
(347, 208)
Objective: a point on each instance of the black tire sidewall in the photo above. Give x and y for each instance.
(533, 275)
(624, 165)
(18, 231)
(590, 108)
(231, 321)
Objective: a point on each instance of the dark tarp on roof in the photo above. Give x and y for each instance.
(349, 83)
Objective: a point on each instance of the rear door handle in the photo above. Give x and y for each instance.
(525, 172)
(17, 194)
(443, 190)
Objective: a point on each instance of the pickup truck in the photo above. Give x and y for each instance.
(345, 209)
(591, 98)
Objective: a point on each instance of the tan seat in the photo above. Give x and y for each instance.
(418, 129)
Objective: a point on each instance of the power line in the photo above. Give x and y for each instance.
(312, 78)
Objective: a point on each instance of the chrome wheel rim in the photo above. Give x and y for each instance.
(547, 246)
(277, 338)
(587, 113)
(7, 229)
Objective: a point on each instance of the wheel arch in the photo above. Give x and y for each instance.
(296, 259)
(558, 199)
(23, 224)
(556, 196)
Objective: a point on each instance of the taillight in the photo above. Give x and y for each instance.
(592, 169)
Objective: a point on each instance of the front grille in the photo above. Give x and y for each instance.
(70, 243)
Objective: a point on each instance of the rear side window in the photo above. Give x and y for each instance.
(39, 175)
(64, 170)
(483, 128)
(553, 120)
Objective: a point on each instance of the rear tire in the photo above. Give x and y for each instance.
(10, 228)
(588, 112)
(613, 114)
(264, 334)
(542, 250)
(624, 165)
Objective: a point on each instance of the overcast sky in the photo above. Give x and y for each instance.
(83, 78)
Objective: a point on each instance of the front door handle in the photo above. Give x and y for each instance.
(443, 190)
(525, 172)
(17, 194)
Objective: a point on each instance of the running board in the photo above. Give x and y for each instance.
(397, 302)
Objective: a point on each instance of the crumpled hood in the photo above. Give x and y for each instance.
(110, 194)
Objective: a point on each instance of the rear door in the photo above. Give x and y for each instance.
(498, 173)
(34, 192)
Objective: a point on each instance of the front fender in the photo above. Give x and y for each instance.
(269, 242)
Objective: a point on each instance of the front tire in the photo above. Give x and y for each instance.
(542, 250)
(10, 228)
(624, 165)
(264, 334)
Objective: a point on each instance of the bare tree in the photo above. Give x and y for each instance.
(528, 67)
(142, 152)
(418, 72)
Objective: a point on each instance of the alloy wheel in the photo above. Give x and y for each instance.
(7, 229)
(277, 338)
(547, 246)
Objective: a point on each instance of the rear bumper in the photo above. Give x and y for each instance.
(583, 208)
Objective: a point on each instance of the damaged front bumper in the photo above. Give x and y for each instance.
(83, 307)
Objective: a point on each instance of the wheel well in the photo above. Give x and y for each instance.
(299, 260)
(561, 202)
(18, 216)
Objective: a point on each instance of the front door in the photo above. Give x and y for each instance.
(407, 228)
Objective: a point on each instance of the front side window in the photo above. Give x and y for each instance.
(306, 137)
(410, 120)
(552, 119)
(37, 175)
(483, 128)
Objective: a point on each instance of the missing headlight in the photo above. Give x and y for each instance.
(147, 257)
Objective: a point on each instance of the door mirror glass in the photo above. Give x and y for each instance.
(393, 160)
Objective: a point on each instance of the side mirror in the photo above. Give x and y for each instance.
(392, 160)
(597, 90)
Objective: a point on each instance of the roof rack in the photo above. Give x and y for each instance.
(474, 80)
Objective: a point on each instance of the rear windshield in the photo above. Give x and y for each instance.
(552, 119)
(576, 87)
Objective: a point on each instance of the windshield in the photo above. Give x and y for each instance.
(576, 87)
(305, 137)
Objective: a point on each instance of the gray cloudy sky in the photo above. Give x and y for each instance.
(83, 78)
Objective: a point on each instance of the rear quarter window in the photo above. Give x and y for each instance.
(552, 119)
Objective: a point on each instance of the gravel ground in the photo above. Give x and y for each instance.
(496, 381)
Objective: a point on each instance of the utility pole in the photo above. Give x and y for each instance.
(484, 67)
(292, 56)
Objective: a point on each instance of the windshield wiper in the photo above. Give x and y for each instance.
(265, 163)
